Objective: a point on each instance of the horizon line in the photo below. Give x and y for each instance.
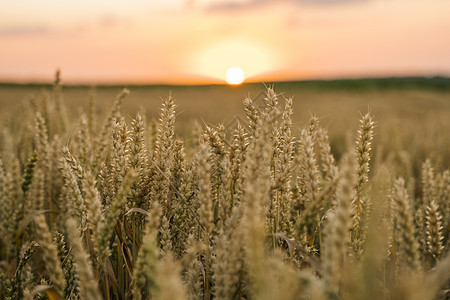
(6, 82)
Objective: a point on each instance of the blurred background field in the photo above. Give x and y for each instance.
(412, 114)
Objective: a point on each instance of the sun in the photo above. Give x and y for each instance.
(235, 75)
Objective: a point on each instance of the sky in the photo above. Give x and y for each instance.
(197, 41)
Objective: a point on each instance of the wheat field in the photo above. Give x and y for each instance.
(268, 197)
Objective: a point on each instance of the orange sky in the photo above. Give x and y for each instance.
(196, 41)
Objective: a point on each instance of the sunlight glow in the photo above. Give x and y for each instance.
(214, 58)
(235, 75)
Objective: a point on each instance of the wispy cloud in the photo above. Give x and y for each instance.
(327, 2)
(78, 27)
(114, 21)
(21, 30)
(27, 31)
(230, 5)
(227, 5)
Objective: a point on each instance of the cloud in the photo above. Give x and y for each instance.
(44, 30)
(328, 2)
(21, 30)
(27, 31)
(230, 5)
(113, 21)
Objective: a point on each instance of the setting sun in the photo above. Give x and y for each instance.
(235, 75)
